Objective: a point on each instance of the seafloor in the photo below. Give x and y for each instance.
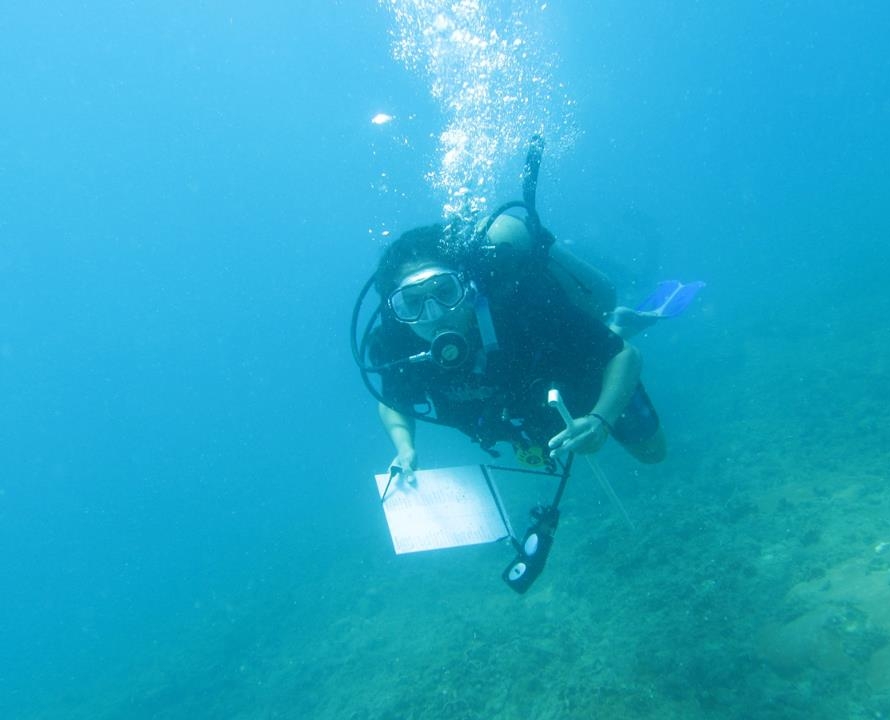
(756, 584)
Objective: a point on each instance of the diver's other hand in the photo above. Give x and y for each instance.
(586, 435)
(405, 462)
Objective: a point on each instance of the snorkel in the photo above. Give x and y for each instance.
(529, 194)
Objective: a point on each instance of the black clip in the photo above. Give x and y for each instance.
(532, 552)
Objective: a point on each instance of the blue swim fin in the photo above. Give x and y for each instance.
(670, 298)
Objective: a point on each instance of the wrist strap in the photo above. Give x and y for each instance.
(602, 420)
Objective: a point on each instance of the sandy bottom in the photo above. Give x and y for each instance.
(756, 585)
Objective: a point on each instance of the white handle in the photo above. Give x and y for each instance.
(554, 400)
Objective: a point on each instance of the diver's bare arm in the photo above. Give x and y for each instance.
(587, 434)
(400, 429)
(620, 379)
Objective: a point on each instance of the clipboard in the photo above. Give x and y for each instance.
(442, 508)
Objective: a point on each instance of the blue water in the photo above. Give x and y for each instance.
(191, 197)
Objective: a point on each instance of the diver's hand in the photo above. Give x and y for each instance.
(586, 435)
(405, 463)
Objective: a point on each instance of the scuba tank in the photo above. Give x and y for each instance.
(586, 287)
(515, 247)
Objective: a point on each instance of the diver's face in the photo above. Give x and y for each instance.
(430, 299)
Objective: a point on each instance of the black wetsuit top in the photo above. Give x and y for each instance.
(543, 341)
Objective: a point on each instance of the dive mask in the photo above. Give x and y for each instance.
(425, 295)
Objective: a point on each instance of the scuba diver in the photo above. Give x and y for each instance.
(495, 353)
(475, 325)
